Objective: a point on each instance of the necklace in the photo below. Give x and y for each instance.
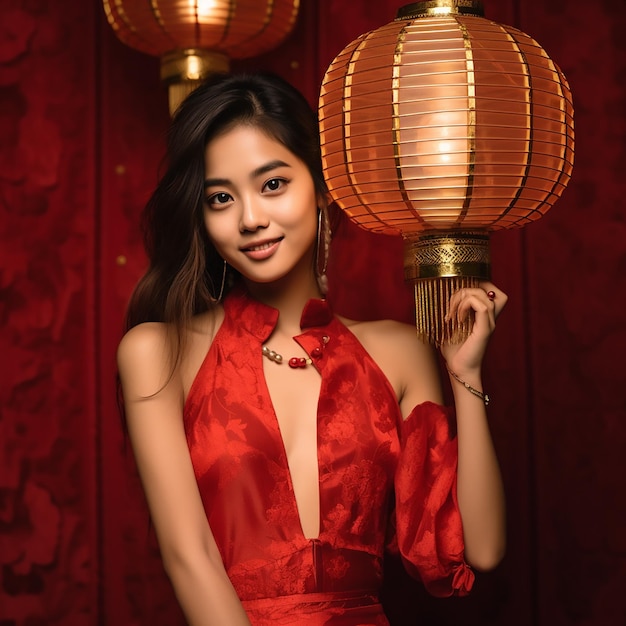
(296, 362)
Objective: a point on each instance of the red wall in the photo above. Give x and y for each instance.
(48, 385)
(82, 120)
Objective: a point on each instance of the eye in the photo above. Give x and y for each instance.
(274, 184)
(218, 200)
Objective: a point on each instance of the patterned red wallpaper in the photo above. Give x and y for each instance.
(48, 493)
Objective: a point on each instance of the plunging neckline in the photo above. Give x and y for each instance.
(315, 314)
(285, 457)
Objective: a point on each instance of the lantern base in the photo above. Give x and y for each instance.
(440, 264)
(184, 70)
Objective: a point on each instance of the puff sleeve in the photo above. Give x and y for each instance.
(429, 531)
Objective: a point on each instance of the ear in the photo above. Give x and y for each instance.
(323, 200)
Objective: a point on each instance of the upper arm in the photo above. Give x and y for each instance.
(419, 371)
(153, 400)
(409, 363)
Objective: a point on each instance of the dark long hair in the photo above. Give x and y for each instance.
(185, 272)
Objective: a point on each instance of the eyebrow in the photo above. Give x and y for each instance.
(259, 171)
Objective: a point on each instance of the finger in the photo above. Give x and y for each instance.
(495, 294)
(483, 308)
(459, 304)
(453, 304)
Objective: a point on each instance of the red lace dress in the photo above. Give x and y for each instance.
(380, 477)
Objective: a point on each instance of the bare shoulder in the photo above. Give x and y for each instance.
(380, 337)
(142, 341)
(147, 354)
(387, 329)
(408, 362)
(144, 359)
(148, 358)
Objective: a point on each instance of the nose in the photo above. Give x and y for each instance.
(252, 216)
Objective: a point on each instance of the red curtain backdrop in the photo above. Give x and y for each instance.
(82, 123)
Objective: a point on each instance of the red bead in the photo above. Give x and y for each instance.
(296, 362)
(316, 353)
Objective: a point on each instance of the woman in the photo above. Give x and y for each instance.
(270, 478)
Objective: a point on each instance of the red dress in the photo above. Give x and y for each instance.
(383, 481)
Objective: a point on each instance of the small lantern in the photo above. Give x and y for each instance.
(445, 126)
(195, 38)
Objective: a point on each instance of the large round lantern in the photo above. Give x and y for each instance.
(445, 126)
(195, 38)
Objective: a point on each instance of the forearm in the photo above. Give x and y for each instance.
(205, 593)
(479, 482)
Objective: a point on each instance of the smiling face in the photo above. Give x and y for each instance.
(260, 207)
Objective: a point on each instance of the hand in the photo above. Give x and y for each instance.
(466, 358)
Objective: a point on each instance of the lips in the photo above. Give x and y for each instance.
(260, 250)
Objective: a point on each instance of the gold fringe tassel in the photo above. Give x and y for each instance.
(432, 297)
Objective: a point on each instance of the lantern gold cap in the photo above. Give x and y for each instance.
(447, 254)
(437, 8)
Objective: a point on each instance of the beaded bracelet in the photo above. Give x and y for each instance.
(483, 396)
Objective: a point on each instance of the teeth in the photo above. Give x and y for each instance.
(263, 246)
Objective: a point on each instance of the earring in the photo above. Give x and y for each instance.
(323, 246)
(219, 297)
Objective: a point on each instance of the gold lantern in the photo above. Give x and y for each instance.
(445, 126)
(195, 38)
